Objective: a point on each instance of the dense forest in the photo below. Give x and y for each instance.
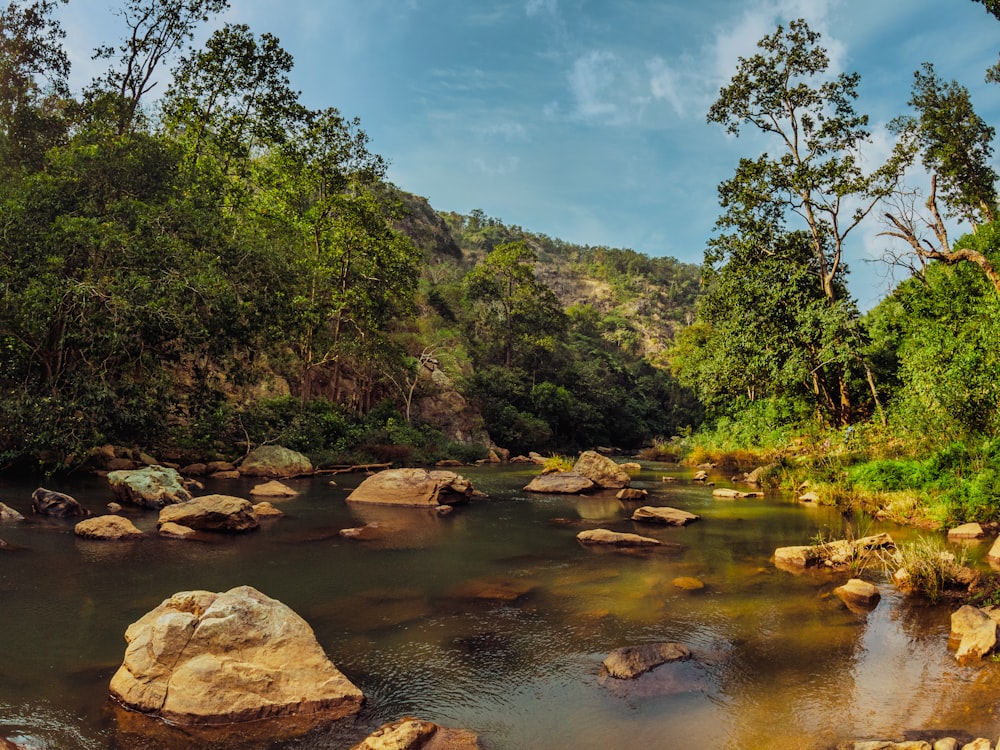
(222, 267)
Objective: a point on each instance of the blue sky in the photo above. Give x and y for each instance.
(585, 119)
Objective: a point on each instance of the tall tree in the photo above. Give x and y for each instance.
(786, 91)
(33, 67)
(512, 310)
(156, 30)
(956, 146)
(232, 99)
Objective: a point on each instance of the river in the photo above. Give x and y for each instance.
(779, 661)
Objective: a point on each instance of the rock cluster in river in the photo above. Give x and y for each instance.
(592, 471)
(414, 734)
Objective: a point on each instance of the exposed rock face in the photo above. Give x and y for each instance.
(631, 661)
(212, 513)
(275, 461)
(601, 470)
(414, 487)
(274, 488)
(107, 527)
(615, 538)
(207, 659)
(56, 504)
(413, 734)
(150, 487)
(560, 483)
(9, 514)
(669, 516)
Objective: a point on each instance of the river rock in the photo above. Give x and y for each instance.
(413, 487)
(56, 504)
(629, 662)
(688, 583)
(202, 658)
(631, 494)
(669, 516)
(560, 483)
(735, 494)
(615, 538)
(265, 509)
(601, 470)
(173, 530)
(274, 488)
(858, 593)
(149, 487)
(700, 476)
(979, 642)
(212, 513)
(967, 531)
(107, 527)
(755, 476)
(9, 514)
(413, 734)
(275, 461)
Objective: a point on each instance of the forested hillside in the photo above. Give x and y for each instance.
(224, 267)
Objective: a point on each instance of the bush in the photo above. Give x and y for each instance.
(889, 475)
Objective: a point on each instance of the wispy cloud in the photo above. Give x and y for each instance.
(541, 7)
(497, 167)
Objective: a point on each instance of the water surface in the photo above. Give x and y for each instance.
(495, 619)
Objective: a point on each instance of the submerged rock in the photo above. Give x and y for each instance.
(56, 504)
(202, 658)
(413, 734)
(560, 483)
(631, 494)
(629, 662)
(415, 487)
(665, 515)
(150, 487)
(111, 528)
(615, 538)
(735, 494)
(858, 593)
(274, 488)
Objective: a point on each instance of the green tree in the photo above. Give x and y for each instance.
(956, 146)
(157, 29)
(33, 72)
(514, 316)
(785, 91)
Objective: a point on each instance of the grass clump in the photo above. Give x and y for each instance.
(931, 569)
(557, 462)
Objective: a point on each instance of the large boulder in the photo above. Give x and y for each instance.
(112, 528)
(669, 516)
(275, 461)
(202, 659)
(149, 487)
(56, 504)
(560, 483)
(601, 470)
(631, 661)
(413, 734)
(212, 513)
(413, 487)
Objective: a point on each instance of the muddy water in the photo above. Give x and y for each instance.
(494, 619)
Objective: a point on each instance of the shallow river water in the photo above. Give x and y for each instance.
(779, 661)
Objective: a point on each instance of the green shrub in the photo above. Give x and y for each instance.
(888, 475)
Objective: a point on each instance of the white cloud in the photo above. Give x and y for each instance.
(508, 131)
(501, 167)
(665, 83)
(541, 7)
